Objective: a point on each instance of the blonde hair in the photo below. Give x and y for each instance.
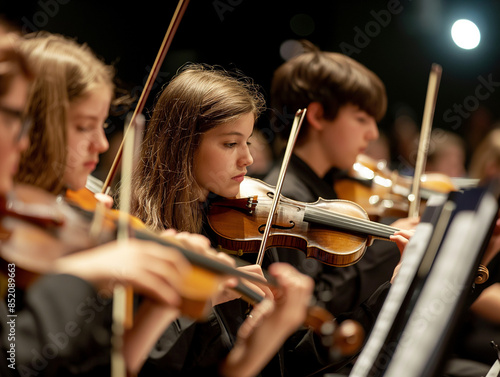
(65, 72)
(197, 99)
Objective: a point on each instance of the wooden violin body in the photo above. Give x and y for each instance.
(37, 228)
(335, 232)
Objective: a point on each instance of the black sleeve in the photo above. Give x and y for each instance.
(366, 314)
(337, 288)
(189, 348)
(306, 345)
(62, 327)
(342, 289)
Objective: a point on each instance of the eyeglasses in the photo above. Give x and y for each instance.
(12, 118)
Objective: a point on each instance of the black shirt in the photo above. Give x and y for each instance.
(342, 289)
(189, 348)
(62, 328)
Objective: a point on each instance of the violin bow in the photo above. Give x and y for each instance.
(123, 296)
(297, 122)
(167, 41)
(349, 333)
(423, 147)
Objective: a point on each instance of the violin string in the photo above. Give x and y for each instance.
(361, 222)
(327, 217)
(348, 222)
(423, 147)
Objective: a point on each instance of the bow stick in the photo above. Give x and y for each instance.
(423, 147)
(167, 41)
(297, 122)
(123, 295)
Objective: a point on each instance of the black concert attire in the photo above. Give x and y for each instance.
(356, 292)
(342, 289)
(353, 288)
(476, 334)
(62, 328)
(189, 348)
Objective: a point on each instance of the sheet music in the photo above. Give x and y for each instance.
(445, 284)
(495, 370)
(412, 257)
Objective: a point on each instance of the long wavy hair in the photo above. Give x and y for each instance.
(165, 193)
(65, 72)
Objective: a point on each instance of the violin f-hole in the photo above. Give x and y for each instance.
(275, 226)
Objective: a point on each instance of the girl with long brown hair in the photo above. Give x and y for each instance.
(196, 147)
(173, 177)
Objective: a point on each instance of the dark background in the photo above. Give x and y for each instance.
(404, 38)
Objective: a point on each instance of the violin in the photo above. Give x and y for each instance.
(384, 192)
(38, 228)
(335, 232)
(85, 198)
(54, 228)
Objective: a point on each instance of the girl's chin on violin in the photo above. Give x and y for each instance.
(231, 188)
(227, 188)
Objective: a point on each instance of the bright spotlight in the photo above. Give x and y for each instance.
(465, 34)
